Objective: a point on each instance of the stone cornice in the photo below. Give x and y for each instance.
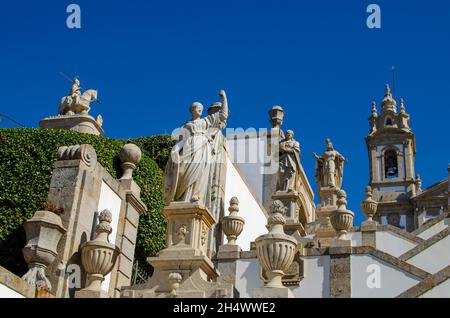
(409, 236)
(430, 223)
(16, 283)
(427, 284)
(136, 203)
(394, 261)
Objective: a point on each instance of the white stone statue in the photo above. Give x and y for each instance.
(187, 171)
(76, 102)
(289, 163)
(330, 167)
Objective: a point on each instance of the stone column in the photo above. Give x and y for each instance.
(340, 269)
(409, 160)
(74, 188)
(374, 163)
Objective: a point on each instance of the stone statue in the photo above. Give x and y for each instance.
(75, 90)
(76, 102)
(289, 163)
(187, 171)
(329, 167)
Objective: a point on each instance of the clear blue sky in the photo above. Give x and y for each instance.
(151, 59)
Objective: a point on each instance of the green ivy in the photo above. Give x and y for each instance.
(26, 164)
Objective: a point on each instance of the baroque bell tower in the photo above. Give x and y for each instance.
(391, 145)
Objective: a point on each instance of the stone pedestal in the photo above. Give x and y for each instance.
(295, 215)
(266, 292)
(328, 205)
(81, 123)
(91, 294)
(188, 226)
(368, 233)
(340, 268)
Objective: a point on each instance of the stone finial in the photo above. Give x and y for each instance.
(43, 231)
(232, 225)
(103, 228)
(389, 102)
(174, 281)
(342, 219)
(369, 206)
(402, 106)
(84, 152)
(374, 109)
(130, 156)
(276, 114)
(99, 256)
(276, 250)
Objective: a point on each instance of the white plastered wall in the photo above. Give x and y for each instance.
(111, 201)
(374, 278)
(434, 258)
(435, 229)
(316, 281)
(6, 292)
(249, 209)
(247, 277)
(315, 284)
(392, 243)
(355, 237)
(440, 291)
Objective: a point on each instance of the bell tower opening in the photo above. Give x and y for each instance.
(390, 164)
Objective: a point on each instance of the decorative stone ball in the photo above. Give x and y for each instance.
(130, 153)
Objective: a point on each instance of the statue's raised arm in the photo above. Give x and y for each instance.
(224, 110)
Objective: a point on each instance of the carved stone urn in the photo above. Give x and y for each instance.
(369, 205)
(129, 155)
(342, 219)
(43, 231)
(232, 225)
(276, 250)
(99, 256)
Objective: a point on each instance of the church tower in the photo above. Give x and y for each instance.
(391, 146)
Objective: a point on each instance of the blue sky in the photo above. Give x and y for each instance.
(151, 59)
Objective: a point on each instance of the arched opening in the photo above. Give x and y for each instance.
(389, 122)
(390, 164)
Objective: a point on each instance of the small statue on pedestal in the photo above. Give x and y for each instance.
(289, 163)
(329, 167)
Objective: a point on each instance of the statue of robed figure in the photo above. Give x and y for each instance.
(188, 168)
(329, 167)
(289, 161)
